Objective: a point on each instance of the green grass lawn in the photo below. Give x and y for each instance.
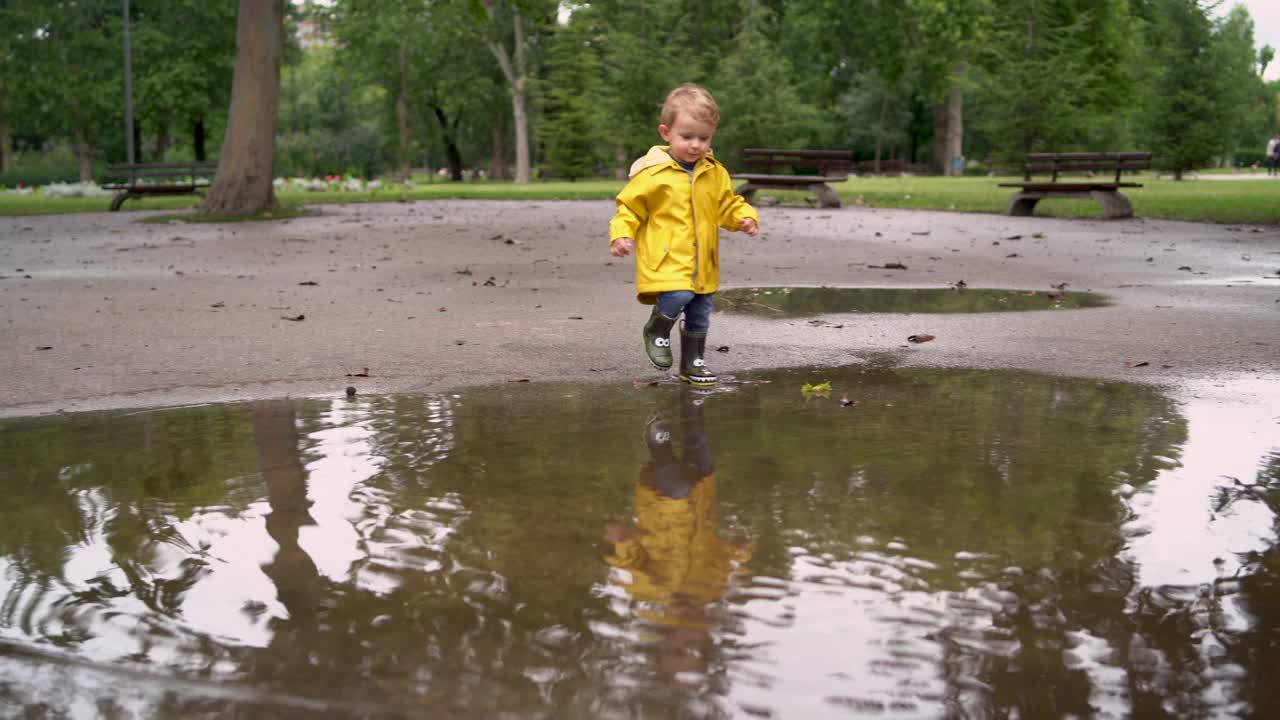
(1219, 201)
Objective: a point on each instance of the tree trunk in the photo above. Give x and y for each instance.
(84, 151)
(162, 142)
(6, 146)
(884, 110)
(242, 185)
(402, 113)
(620, 167)
(452, 154)
(522, 131)
(514, 70)
(955, 120)
(939, 161)
(197, 139)
(275, 435)
(498, 144)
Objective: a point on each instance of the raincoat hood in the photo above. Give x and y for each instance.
(658, 155)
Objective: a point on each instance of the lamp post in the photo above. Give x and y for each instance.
(128, 92)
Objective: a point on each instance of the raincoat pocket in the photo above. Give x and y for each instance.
(653, 256)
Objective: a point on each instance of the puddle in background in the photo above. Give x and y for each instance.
(958, 543)
(801, 301)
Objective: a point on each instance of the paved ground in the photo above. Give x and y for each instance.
(100, 311)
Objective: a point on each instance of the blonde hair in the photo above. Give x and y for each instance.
(693, 99)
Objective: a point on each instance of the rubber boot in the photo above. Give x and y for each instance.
(693, 369)
(657, 339)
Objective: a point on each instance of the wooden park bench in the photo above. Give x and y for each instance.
(135, 180)
(1104, 190)
(808, 169)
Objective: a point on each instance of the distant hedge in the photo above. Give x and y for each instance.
(36, 178)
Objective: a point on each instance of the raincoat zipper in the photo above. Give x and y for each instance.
(693, 213)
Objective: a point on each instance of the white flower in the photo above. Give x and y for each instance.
(70, 190)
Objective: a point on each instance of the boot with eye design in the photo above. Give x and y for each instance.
(693, 369)
(657, 339)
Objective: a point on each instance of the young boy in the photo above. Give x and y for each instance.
(670, 212)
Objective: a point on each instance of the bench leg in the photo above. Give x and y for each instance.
(747, 191)
(119, 199)
(827, 196)
(1115, 206)
(1023, 204)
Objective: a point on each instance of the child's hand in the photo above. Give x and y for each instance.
(750, 227)
(620, 247)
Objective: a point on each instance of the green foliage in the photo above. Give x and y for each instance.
(183, 56)
(574, 131)
(329, 121)
(759, 105)
(1179, 77)
(1189, 107)
(1055, 77)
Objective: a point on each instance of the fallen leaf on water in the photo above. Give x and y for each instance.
(309, 282)
(894, 266)
(575, 317)
(463, 271)
(820, 390)
(920, 338)
(363, 373)
(723, 348)
(218, 304)
(44, 347)
(517, 379)
(1140, 363)
(293, 318)
(1037, 235)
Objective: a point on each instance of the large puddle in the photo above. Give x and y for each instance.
(912, 543)
(802, 301)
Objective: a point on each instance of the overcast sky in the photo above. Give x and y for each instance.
(1266, 26)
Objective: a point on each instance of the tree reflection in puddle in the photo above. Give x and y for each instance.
(958, 542)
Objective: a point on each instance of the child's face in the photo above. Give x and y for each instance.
(689, 137)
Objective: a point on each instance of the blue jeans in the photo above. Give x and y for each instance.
(696, 308)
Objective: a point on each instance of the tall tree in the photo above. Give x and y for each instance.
(1237, 62)
(380, 38)
(243, 184)
(69, 70)
(1189, 106)
(639, 69)
(183, 57)
(944, 36)
(759, 106)
(512, 54)
(573, 131)
(1056, 75)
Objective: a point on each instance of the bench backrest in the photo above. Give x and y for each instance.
(131, 172)
(801, 162)
(1055, 163)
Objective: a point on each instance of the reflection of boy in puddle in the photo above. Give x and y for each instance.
(678, 565)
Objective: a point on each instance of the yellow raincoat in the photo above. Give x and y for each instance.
(674, 221)
(676, 556)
